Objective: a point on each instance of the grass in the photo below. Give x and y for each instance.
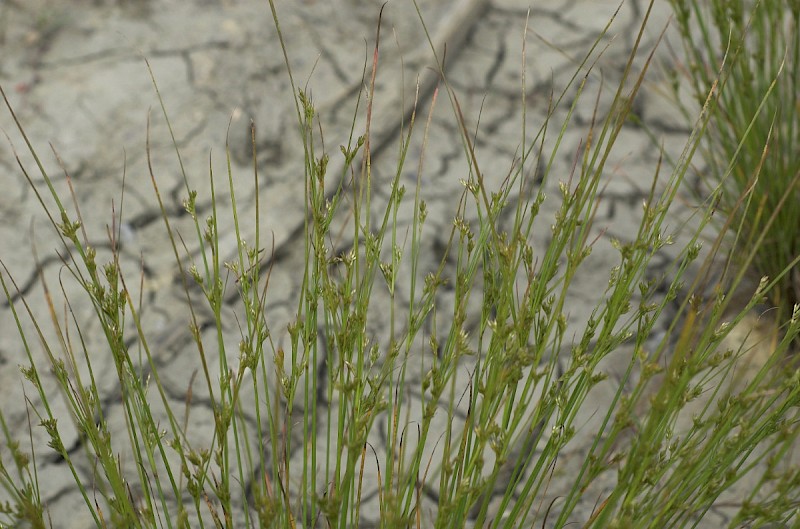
(464, 411)
(754, 128)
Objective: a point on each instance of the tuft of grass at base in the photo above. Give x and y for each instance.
(751, 170)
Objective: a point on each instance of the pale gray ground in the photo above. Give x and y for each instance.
(75, 75)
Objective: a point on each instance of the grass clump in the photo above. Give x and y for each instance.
(446, 424)
(751, 169)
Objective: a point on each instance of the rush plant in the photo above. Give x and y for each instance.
(477, 421)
